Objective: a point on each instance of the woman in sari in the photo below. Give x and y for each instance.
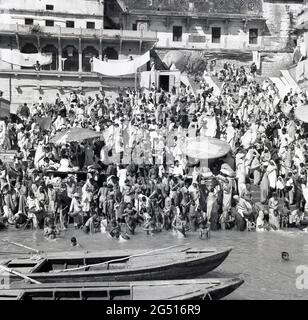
(256, 169)
(264, 187)
(272, 175)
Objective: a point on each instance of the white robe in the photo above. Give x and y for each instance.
(272, 176)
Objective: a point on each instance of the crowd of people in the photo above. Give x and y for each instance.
(137, 172)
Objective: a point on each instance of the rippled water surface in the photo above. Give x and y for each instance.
(256, 257)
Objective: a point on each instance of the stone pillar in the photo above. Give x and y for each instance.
(100, 53)
(120, 51)
(59, 54)
(39, 49)
(226, 33)
(80, 55)
(17, 42)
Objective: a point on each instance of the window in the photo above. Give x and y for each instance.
(90, 25)
(49, 7)
(70, 24)
(135, 26)
(28, 21)
(216, 34)
(253, 36)
(49, 23)
(177, 33)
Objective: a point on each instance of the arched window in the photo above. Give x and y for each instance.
(50, 48)
(87, 54)
(111, 53)
(71, 62)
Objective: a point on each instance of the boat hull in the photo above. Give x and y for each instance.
(189, 269)
(198, 289)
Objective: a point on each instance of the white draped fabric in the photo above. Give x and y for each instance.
(121, 67)
(25, 59)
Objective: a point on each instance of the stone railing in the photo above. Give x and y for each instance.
(78, 32)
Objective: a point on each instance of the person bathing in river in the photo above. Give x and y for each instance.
(179, 223)
(50, 229)
(273, 211)
(115, 232)
(74, 242)
(75, 211)
(130, 216)
(93, 223)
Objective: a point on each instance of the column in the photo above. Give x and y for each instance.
(100, 53)
(39, 49)
(59, 54)
(120, 51)
(226, 33)
(17, 42)
(80, 55)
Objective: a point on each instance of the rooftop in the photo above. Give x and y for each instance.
(195, 7)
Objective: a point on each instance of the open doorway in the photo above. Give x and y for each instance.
(164, 82)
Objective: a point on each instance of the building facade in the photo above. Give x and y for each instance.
(224, 28)
(300, 70)
(193, 24)
(73, 31)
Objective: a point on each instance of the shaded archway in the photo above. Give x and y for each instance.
(111, 53)
(50, 48)
(87, 54)
(29, 48)
(70, 53)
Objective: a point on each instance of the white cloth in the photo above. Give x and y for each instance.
(257, 59)
(145, 81)
(25, 59)
(122, 67)
(64, 165)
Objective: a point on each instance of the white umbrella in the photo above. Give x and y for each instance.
(301, 113)
(206, 148)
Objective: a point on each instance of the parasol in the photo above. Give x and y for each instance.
(206, 148)
(301, 113)
(74, 135)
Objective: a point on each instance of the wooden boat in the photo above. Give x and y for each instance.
(199, 289)
(110, 266)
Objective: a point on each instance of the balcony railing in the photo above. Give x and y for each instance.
(78, 32)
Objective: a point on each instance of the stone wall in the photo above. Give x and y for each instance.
(271, 64)
(28, 88)
(280, 23)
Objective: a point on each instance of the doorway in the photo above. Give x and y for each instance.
(164, 83)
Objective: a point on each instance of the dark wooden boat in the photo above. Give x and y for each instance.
(199, 289)
(130, 266)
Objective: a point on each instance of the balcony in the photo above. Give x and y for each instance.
(62, 32)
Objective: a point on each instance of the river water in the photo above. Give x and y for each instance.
(256, 257)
